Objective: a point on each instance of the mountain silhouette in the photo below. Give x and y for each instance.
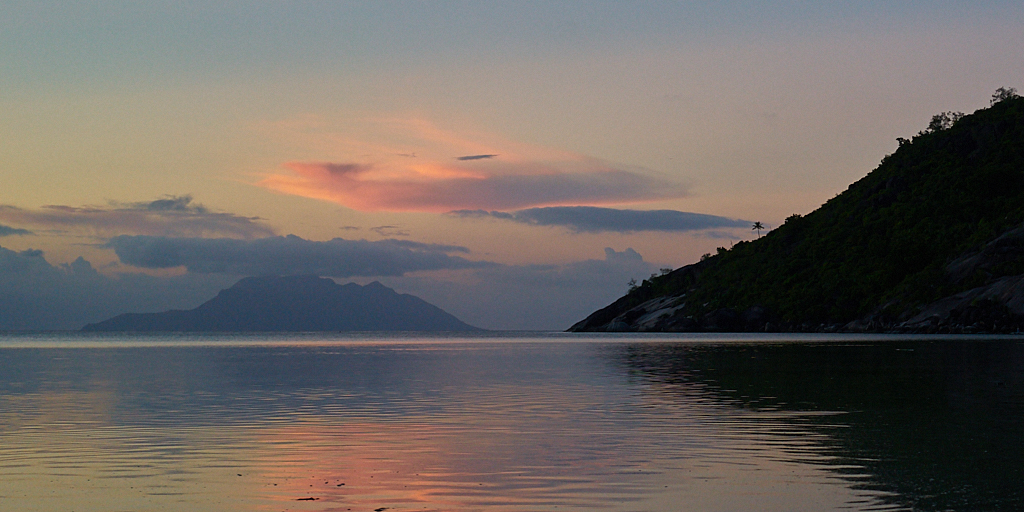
(295, 303)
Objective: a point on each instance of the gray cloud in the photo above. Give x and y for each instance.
(590, 219)
(169, 204)
(288, 255)
(475, 157)
(168, 216)
(8, 231)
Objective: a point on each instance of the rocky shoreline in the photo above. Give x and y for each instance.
(996, 308)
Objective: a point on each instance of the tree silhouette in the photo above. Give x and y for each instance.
(1003, 93)
(943, 121)
(758, 226)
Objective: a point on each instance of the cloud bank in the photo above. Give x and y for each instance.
(35, 295)
(534, 297)
(591, 219)
(288, 255)
(168, 216)
(486, 294)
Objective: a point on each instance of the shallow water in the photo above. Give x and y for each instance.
(514, 422)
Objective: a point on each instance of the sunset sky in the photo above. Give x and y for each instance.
(515, 163)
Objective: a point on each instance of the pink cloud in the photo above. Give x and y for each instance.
(493, 184)
(395, 164)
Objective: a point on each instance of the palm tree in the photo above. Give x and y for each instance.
(758, 226)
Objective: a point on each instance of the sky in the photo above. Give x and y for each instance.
(514, 163)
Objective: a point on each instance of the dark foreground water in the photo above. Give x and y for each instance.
(510, 423)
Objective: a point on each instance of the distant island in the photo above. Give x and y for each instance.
(295, 303)
(931, 241)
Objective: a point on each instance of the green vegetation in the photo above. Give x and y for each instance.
(882, 246)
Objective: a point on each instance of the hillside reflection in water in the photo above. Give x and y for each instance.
(932, 425)
(529, 425)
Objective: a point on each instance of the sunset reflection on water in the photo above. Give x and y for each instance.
(481, 426)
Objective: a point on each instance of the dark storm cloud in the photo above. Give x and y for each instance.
(8, 231)
(167, 216)
(590, 219)
(288, 255)
(475, 157)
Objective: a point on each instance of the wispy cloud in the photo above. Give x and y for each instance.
(288, 255)
(457, 171)
(474, 157)
(590, 219)
(8, 231)
(167, 216)
(389, 231)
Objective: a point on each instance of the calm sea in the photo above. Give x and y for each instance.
(510, 422)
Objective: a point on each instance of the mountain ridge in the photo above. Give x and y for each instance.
(295, 303)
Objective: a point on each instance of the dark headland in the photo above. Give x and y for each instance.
(295, 303)
(931, 241)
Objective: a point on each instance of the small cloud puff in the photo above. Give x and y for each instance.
(389, 231)
(590, 219)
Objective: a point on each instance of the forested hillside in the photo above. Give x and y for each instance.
(937, 218)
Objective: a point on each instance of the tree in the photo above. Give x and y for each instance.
(1003, 93)
(758, 226)
(943, 121)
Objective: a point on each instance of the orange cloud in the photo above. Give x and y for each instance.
(412, 165)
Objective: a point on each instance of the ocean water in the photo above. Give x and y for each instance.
(510, 422)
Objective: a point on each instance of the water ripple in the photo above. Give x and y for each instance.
(479, 426)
